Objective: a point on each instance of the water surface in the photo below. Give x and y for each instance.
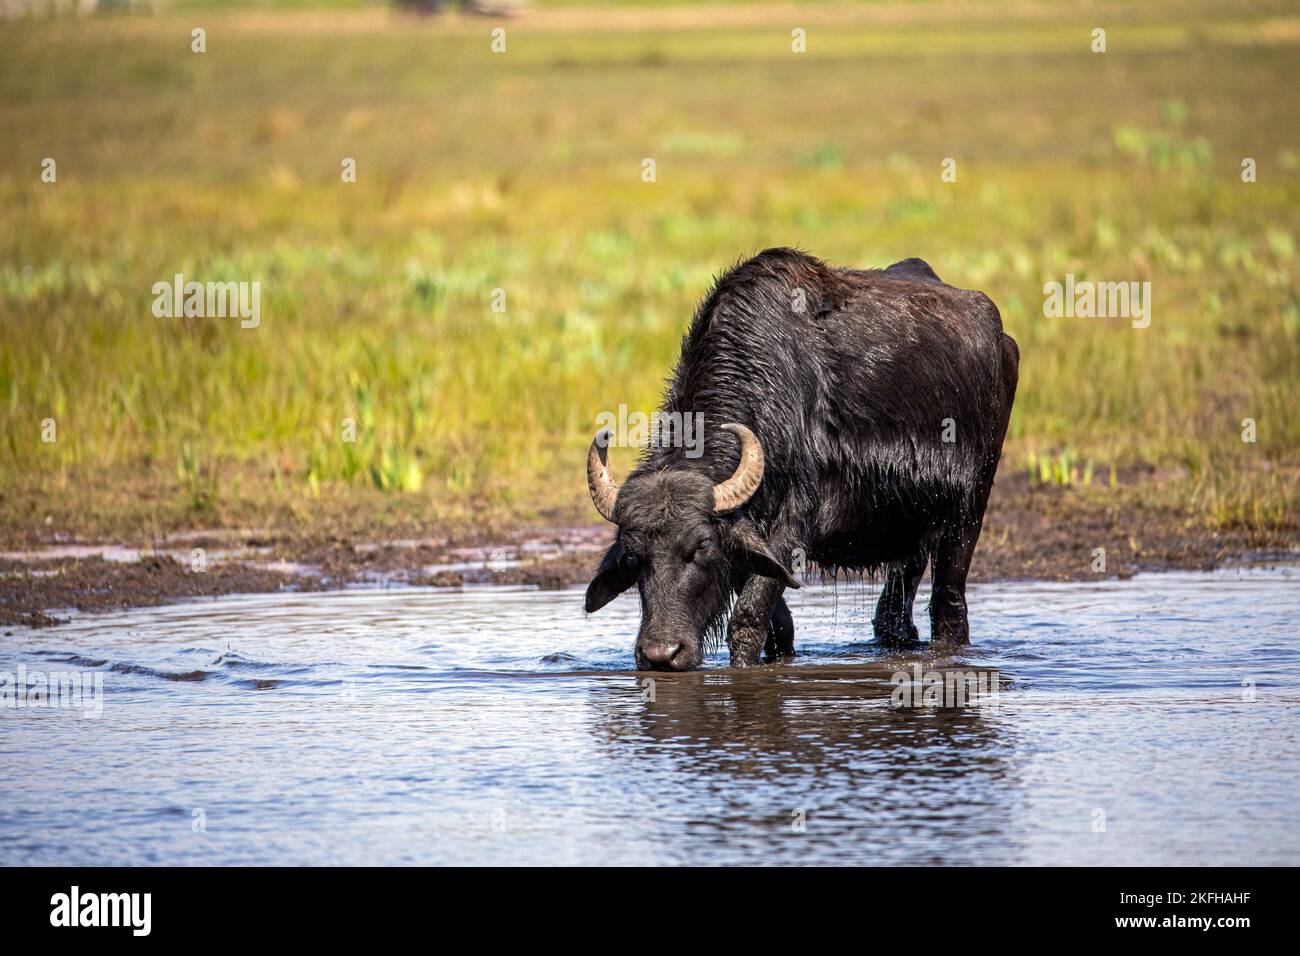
(1152, 720)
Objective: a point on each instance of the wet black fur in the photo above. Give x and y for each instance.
(849, 399)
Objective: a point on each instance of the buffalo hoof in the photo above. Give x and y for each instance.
(896, 633)
(772, 654)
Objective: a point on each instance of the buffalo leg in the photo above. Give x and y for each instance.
(780, 634)
(952, 557)
(893, 621)
(750, 621)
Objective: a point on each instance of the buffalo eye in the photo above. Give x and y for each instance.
(702, 550)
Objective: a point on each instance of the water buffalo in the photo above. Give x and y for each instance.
(851, 417)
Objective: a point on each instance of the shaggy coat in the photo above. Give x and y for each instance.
(880, 398)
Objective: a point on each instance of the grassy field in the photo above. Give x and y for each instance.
(522, 172)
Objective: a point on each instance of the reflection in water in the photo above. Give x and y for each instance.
(1143, 721)
(814, 763)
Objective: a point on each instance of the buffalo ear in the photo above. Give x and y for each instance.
(613, 577)
(759, 555)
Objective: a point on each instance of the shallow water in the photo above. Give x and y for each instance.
(1152, 721)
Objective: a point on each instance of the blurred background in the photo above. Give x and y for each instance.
(514, 162)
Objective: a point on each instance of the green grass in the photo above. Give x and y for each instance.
(521, 172)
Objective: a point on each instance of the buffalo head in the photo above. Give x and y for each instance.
(682, 544)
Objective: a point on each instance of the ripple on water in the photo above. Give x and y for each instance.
(500, 725)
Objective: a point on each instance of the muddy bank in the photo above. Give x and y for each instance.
(38, 586)
(1043, 533)
(39, 593)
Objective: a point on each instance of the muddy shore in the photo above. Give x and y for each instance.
(1030, 532)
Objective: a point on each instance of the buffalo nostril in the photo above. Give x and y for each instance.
(660, 653)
